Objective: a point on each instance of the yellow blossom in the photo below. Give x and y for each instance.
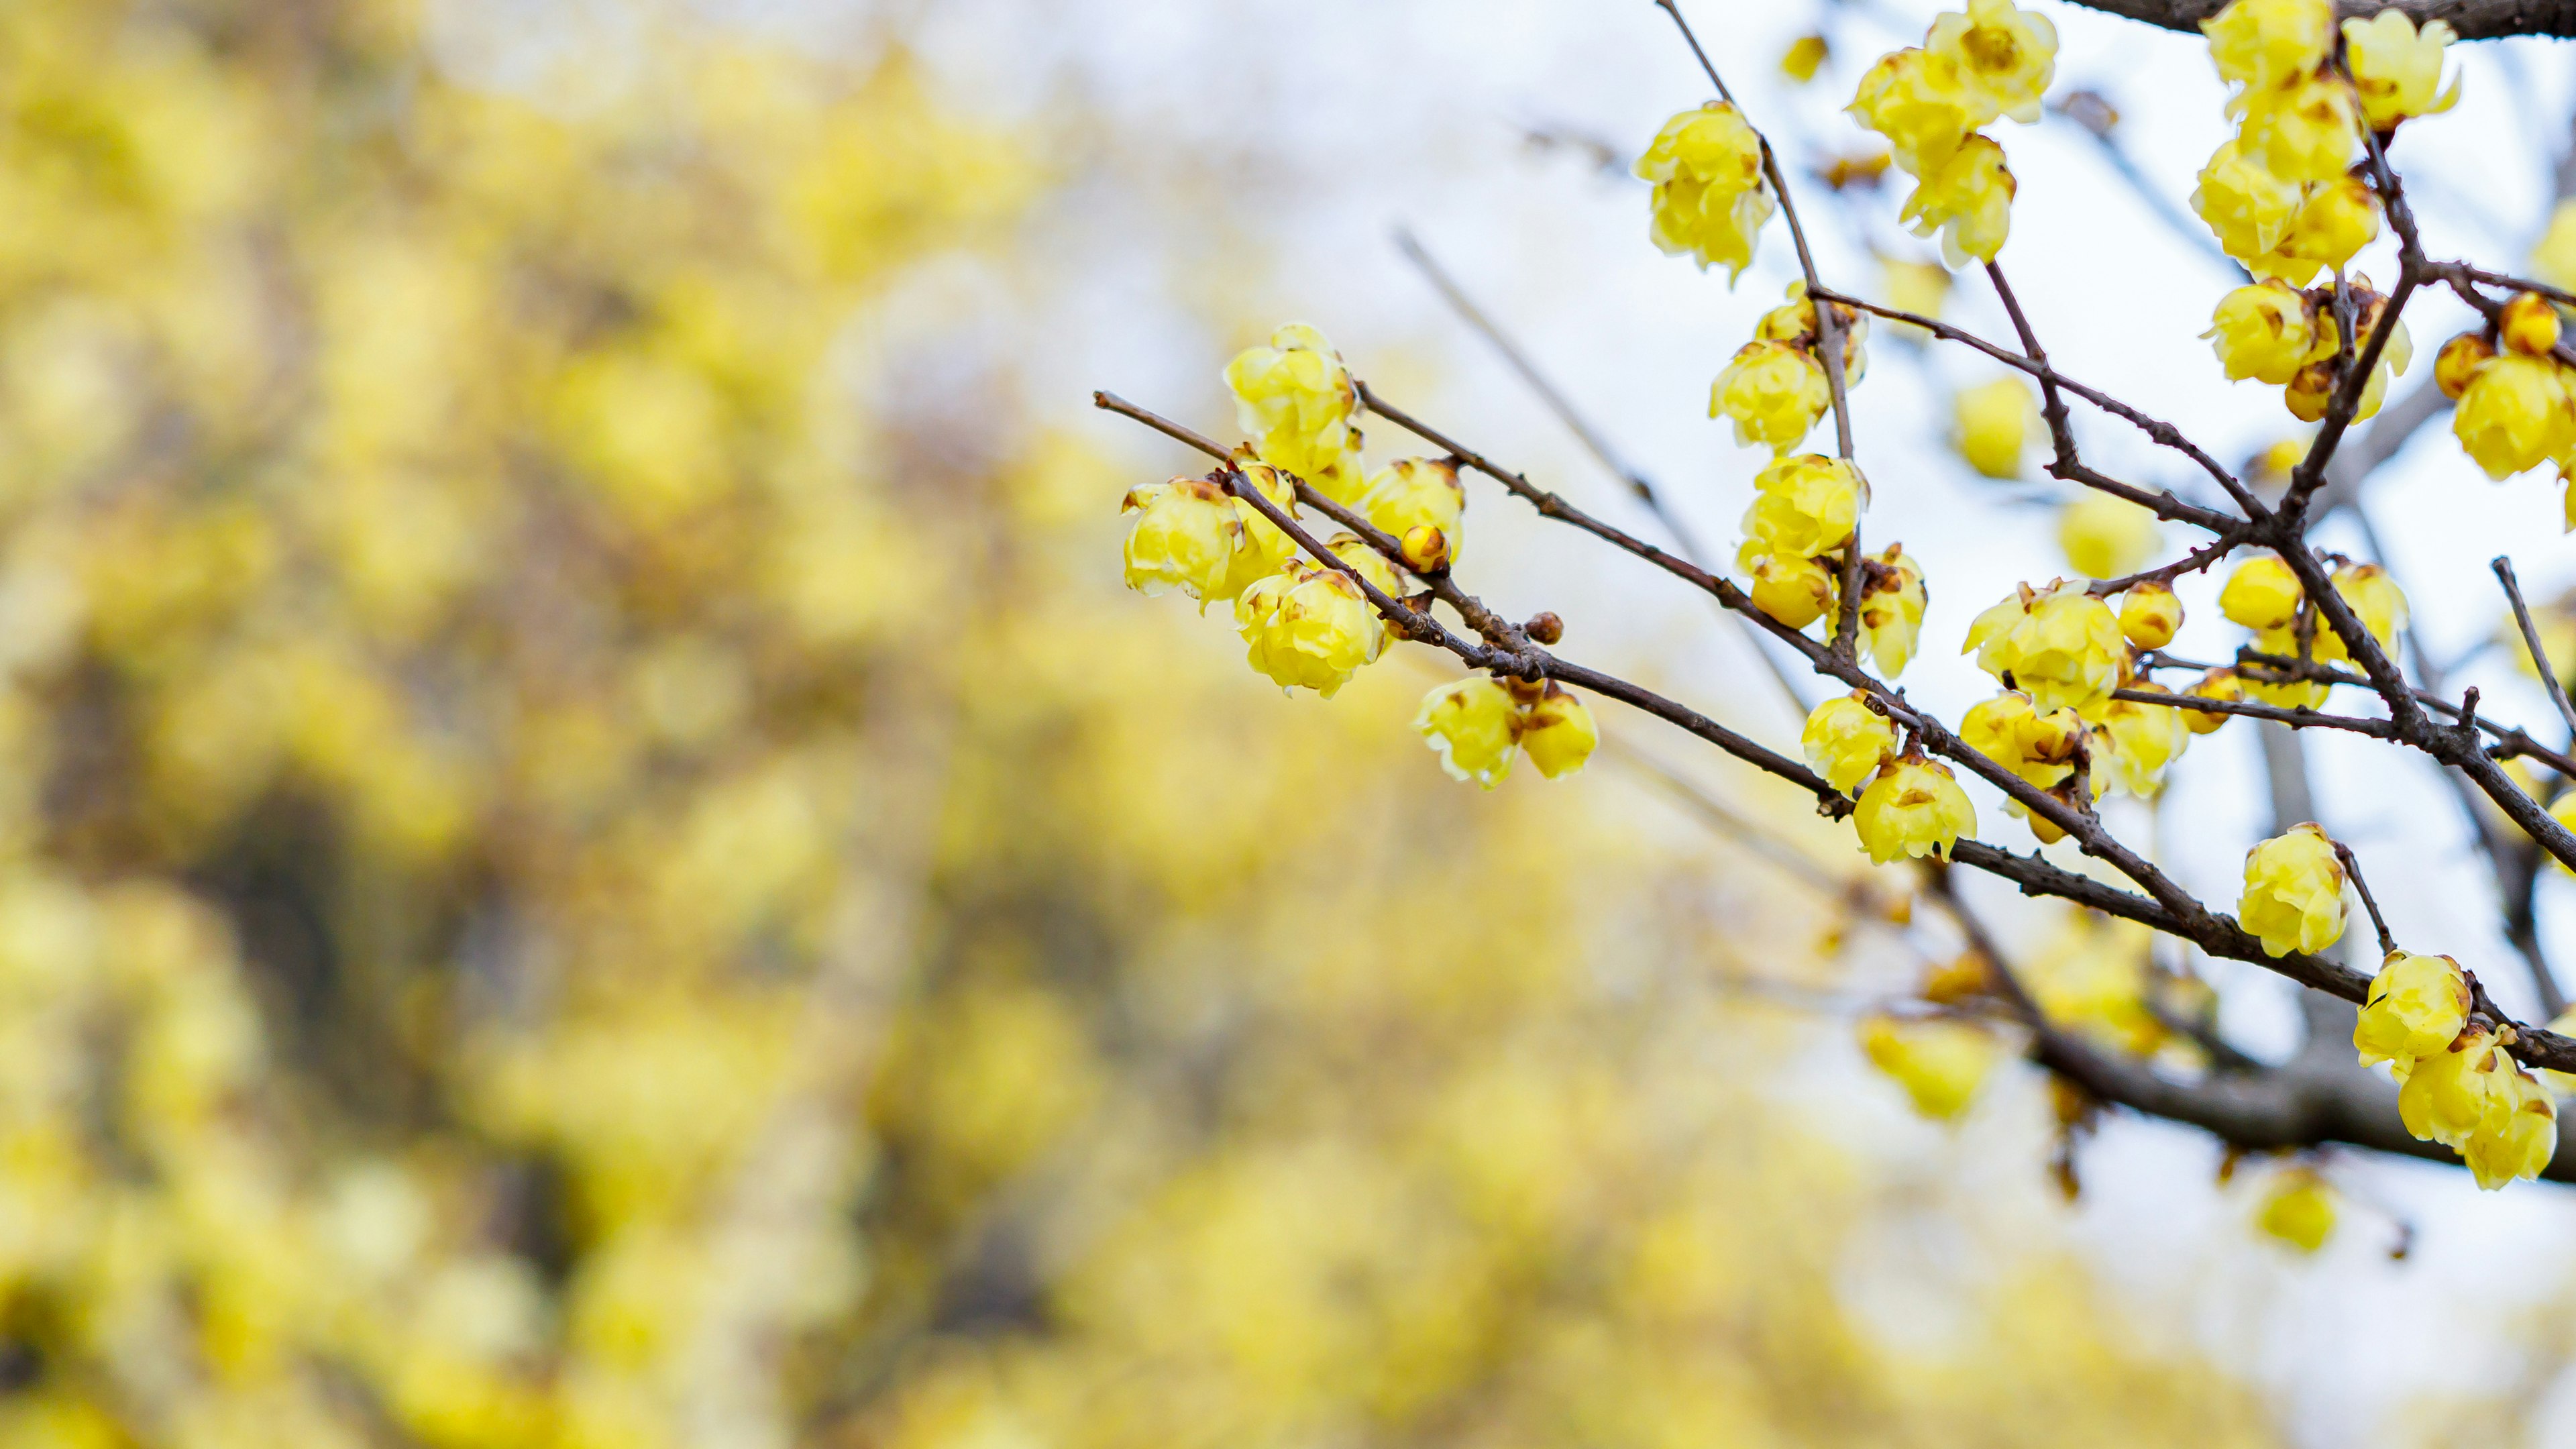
(1921, 104)
(1795, 321)
(1418, 493)
(2216, 684)
(1968, 200)
(2010, 731)
(2245, 206)
(1774, 391)
(1297, 400)
(1892, 601)
(1186, 535)
(1309, 627)
(2528, 324)
(1913, 809)
(1805, 504)
(2553, 259)
(2293, 899)
(1995, 421)
(1558, 733)
(2268, 331)
(2262, 43)
(2333, 224)
(2303, 131)
(1916, 287)
(1939, 1063)
(2263, 593)
(2397, 68)
(2298, 1209)
(1846, 740)
(2150, 615)
(2061, 646)
(2105, 537)
(2417, 1004)
(1266, 548)
(1475, 724)
(2136, 742)
(2283, 643)
(1789, 588)
(2514, 415)
(2519, 1135)
(1709, 201)
(2472, 1098)
(2375, 598)
(2093, 975)
(2004, 56)
(1804, 55)
(2460, 361)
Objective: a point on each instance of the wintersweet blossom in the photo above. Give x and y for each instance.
(1913, 809)
(2004, 56)
(1940, 1063)
(1774, 392)
(1967, 200)
(1921, 104)
(2293, 898)
(2417, 1004)
(2150, 614)
(2263, 43)
(1846, 740)
(2059, 645)
(2397, 68)
(1475, 724)
(1709, 202)
(1892, 601)
(1297, 400)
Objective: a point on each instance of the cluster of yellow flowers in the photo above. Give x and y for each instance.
(1989, 61)
(1913, 805)
(1306, 623)
(2516, 396)
(2264, 595)
(2457, 1084)
(2273, 332)
(1775, 387)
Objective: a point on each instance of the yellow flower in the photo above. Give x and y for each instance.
(2245, 206)
(1805, 505)
(1475, 724)
(2150, 615)
(2447, 1093)
(2397, 68)
(2336, 221)
(1417, 493)
(1266, 548)
(1804, 54)
(1968, 200)
(1892, 600)
(2008, 730)
(1995, 422)
(2375, 597)
(2519, 1134)
(1709, 201)
(2105, 537)
(2268, 331)
(2529, 324)
(2261, 43)
(1774, 391)
(1791, 589)
(1921, 104)
(1939, 1063)
(1186, 535)
(1914, 808)
(1916, 287)
(2216, 684)
(2284, 643)
(1795, 322)
(2093, 975)
(2514, 415)
(2060, 646)
(1297, 400)
(2263, 593)
(1846, 740)
(2293, 898)
(2417, 1004)
(2553, 259)
(2136, 742)
(2299, 1209)
(2303, 131)
(2003, 56)
(1558, 733)
(1309, 627)
(2460, 361)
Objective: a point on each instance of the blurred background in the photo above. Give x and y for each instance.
(592, 853)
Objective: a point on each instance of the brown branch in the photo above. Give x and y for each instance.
(2531, 640)
(2193, 562)
(2470, 19)
(2295, 718)
(2378, 922)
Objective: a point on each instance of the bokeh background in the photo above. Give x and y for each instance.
(592, 854)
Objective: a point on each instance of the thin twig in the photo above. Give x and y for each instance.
(2503, 567)
(2378, 922)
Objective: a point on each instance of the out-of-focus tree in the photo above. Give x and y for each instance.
(570, 876)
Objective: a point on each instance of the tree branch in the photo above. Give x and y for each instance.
(2470, 19)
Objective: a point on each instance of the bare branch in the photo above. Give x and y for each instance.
(2470, 19)
(2378, 922)
(2531, 640)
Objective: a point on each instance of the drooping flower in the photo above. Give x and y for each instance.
(2061, 646)
(1805, 504)
(1913, 809)
(1795, 591)
(2246, 206)
(2332, 225)
(1846, 740)
(2268, 331)
(2417, 1004)
(1968, 200)
(1558, 733)
(1309, 626)
(1186, 535)
(1415, 493)
(2293, 899)
(2397, 68)
(1774, 392)
(2263, 593)
(2010, 731)
(2304, 131)
(2004, 56)
(1709, 202)
(1892, 601)
(2263, 43)
(2514, 415)
(2375, 598)
(1475, 724)
(1921, 104)
(1298, 402)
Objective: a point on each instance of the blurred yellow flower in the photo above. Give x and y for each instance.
(2298, 1208)
(1939, 1063)
(1993, 423)
(2105, 537)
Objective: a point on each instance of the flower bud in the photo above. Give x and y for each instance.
(1426, 549)
(1794, 591)
(1913, 809)
(2460, 361)
(1846, 740)
(2293, 898)
(2262, 593)
(1558, 733)
(2216, 684)
(1804, 54)
(2528, 324)
(1544, 628)
(1419, 492)
(2150, 614)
